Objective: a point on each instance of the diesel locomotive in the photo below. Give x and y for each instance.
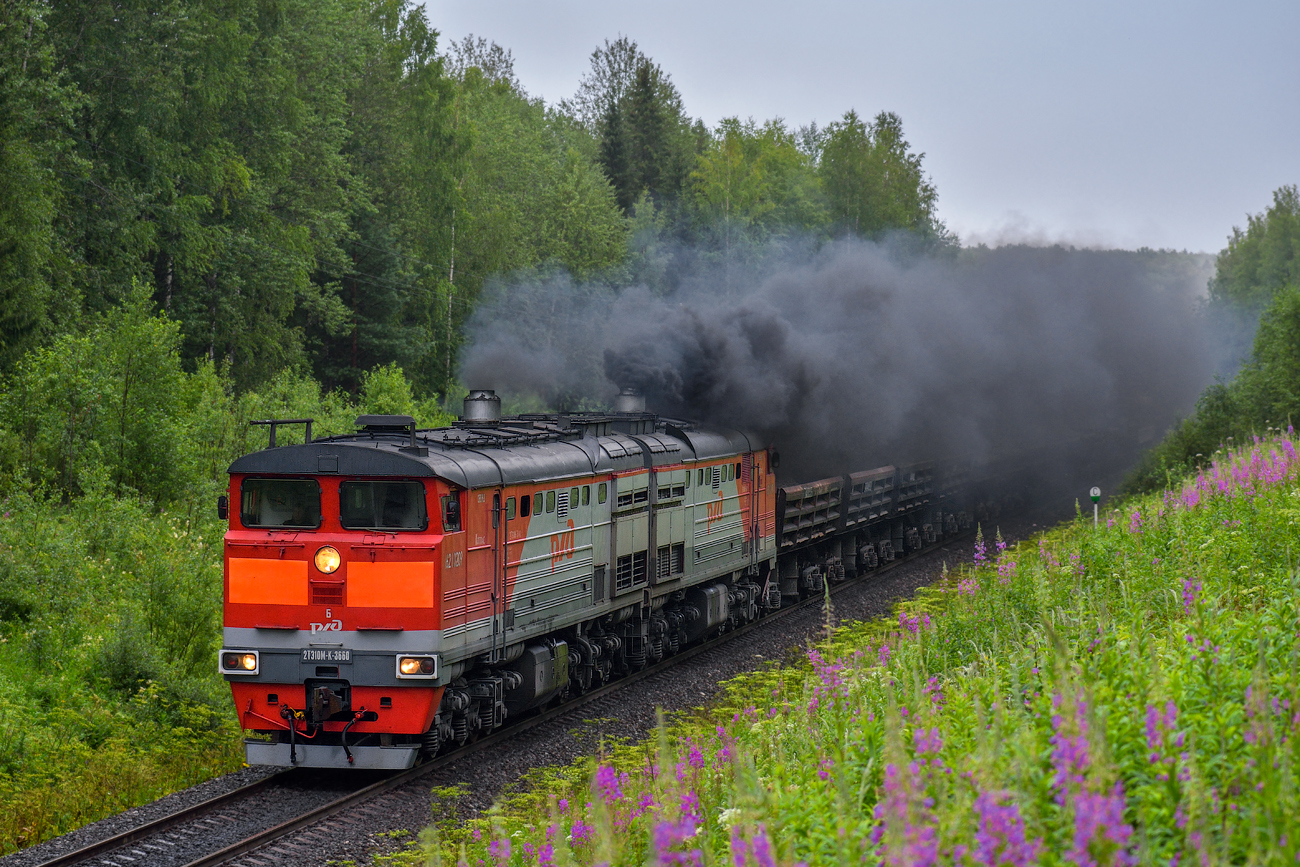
(395, 590)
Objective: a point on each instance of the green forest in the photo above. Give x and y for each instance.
(213, 212)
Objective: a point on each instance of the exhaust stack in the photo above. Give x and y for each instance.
(482, 407)
(629, 400)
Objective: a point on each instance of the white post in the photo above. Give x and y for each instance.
(1095, 494)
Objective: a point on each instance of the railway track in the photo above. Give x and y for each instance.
(192, 836)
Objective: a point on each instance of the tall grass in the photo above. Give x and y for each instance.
(1112, 696)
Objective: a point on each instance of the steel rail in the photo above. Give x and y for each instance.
(171, 820)
(311, 817)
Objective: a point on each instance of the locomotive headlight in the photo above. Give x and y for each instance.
(417, 666)
(328, 559)
(239, 662)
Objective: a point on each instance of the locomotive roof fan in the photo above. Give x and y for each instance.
(482, 407)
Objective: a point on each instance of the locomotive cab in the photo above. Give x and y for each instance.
(331, 631)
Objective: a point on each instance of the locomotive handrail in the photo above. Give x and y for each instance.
(276, 422)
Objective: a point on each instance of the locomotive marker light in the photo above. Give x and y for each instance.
(424, 667)
(239, 662)
(328, 559)
(1095, 493)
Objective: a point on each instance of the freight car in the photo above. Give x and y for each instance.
(395, 590)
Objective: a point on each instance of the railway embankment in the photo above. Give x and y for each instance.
(1125, 693)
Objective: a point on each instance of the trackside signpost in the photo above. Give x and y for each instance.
(1095, 493)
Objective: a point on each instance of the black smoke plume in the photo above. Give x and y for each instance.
(858, 354)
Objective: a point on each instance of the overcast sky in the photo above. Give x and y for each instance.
(1098, 123)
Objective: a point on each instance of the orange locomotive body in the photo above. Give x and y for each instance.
(395, 590)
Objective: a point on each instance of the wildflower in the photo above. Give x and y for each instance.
(610, 783)
(1191, 588)
(1099, 823)
(499, 850)
(1000, 839)
(906, 821)
(981, 550)
(1135, 522)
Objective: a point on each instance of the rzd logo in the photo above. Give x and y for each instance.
(715, 513)
(562, 546)
(329, 625)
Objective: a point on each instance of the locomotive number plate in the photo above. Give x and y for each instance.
(326, 654)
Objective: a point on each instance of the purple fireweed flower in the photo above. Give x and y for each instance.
(610, 783)
(1006, 570)
(696, 758)
(968, 586)
(762, 848)
(546, 856)
(1000, 544)
(1135, 522)
(981, 550)
(927, 743)
(581, 832)
(1159, 726)
(499, 850)
(1001, 839)
(905, 820)
(1099, 823)
(1069, 751)
(1191, 588)
(1045, 554)
(935, 691)
(824, 769)
(667, 836)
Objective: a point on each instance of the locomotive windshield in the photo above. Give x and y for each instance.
(280, 503)
(382, 506)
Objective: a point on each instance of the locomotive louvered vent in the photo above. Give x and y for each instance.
(744, 468)
(640, 564)
(326, 592)
(717, 476)
(623, 573)
(625, 499)
(663, 563)
(562, 505)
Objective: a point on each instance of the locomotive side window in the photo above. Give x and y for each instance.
(586, 495)
(602, 493)
(280, 503)
(451, 513)
(700, 478)
(382, 506)
(573, 497)
(510, 508)
(537, 504)
(524, 502)
(550, 502)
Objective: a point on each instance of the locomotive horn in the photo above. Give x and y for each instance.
(482, 407)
